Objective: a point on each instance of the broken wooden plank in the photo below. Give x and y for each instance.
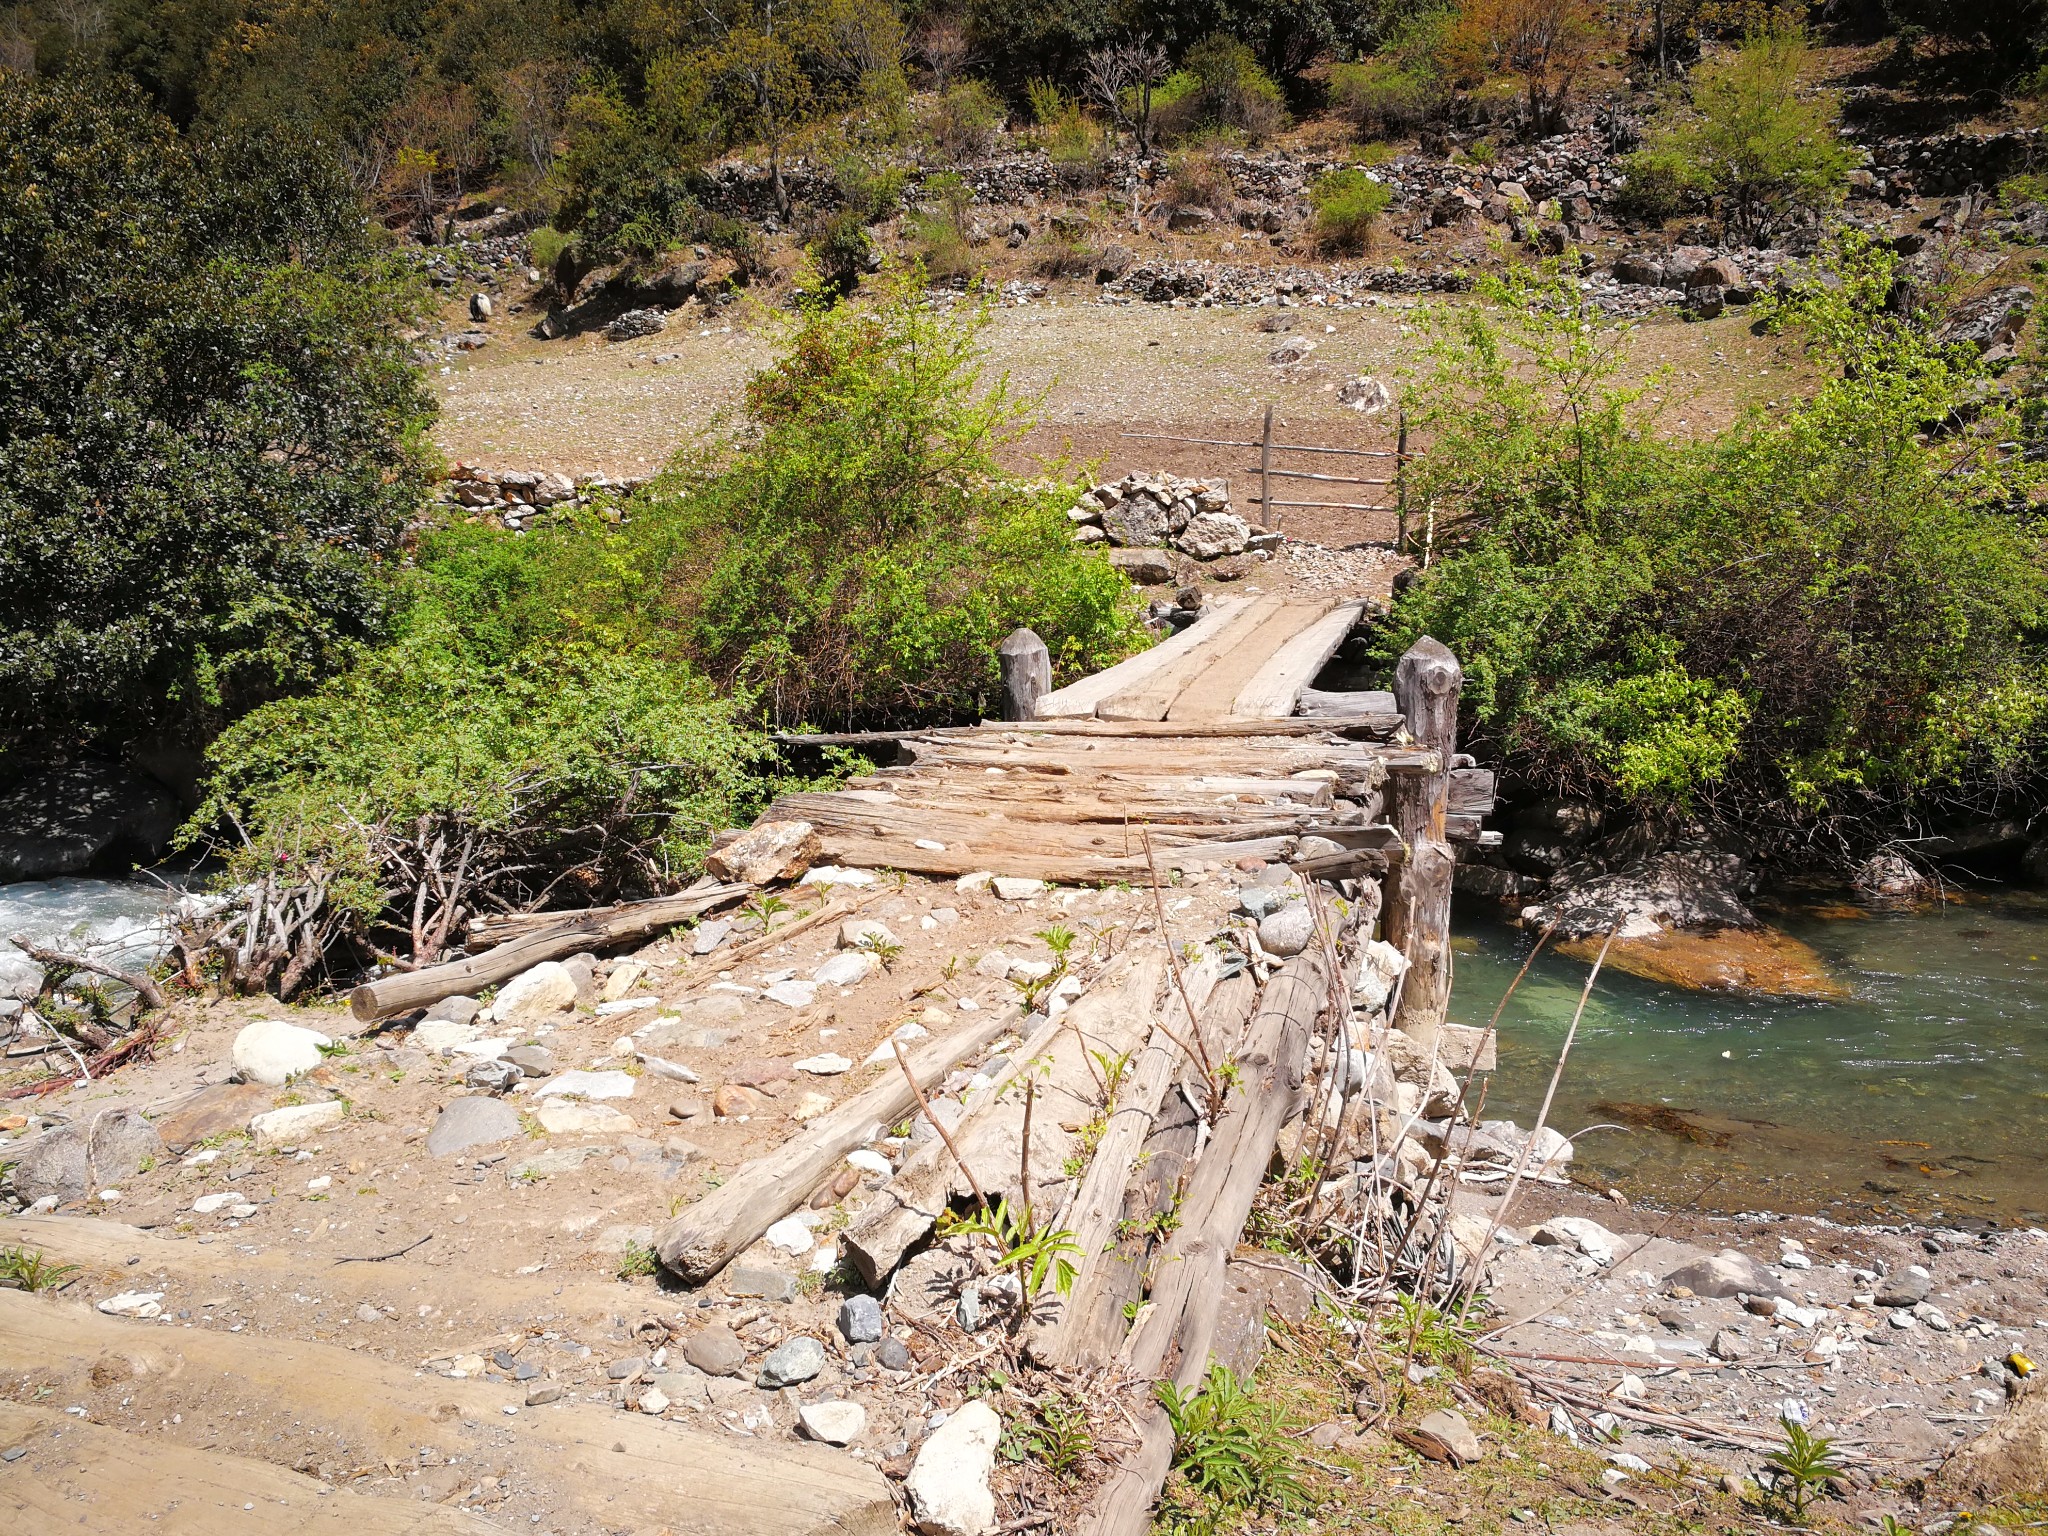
(1275, 690)
(1080, 699)
(702, 1240)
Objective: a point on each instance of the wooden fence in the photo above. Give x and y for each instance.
(1271, 507)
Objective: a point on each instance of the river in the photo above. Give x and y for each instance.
(1921, 1097)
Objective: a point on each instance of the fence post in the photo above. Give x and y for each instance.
(1027, 674)
(1426, 686)
(1266, 474)
(1401, 485)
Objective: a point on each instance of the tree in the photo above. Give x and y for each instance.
(1121, 79)
(1767, 152)
(209, 425)
(1548, 43)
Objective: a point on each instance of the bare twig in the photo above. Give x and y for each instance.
(944, 1135)
(140, 983)
(379, 1258)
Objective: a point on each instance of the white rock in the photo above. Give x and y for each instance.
(847, 969)
(1288, 931)
(980, 880)
(832, 874)
(535, 996)
(827, 1065)
(948, 1483)
(856, 932)
(560, 1119)
(441, 1036)
(793, 994)
(791, 1236)
(283, 1127)
(1582, 1234)
(206, 1205)
(272, 1052)
(589, 1085)
(870, 1162)
(1030, 970)
(134, 1304)
(624, 978)
(835, 1423)
(654, 1400)
(626, 1005)
(809, 1106)
(995, 965)
(1016, 888)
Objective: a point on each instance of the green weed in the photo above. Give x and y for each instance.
(1229, 1449)
(1804, 1463)
(29, 1269)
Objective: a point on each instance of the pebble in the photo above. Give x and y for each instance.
(892, 1355)
(543, 1393)
(835, 1423)
(1014, 888)
(716, 1352)
(625, 1370)
(791, 1236)
(870, 1162)
(948, 1482)
(793, 1361)
(654, 1400)
(827, 1065)
(762, 1280)
(860, 1319)
(13, 1453)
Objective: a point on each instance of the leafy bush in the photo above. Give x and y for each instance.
(1402, 86)
(1661, 184)
(1348, 205)
(550, 762)
(1767, 153)
(841, 250)
(859, 554)
(1220, 85)
(209, 426)
(1230, 1451)
(1822, 612)
(939, 230)
(966, 119)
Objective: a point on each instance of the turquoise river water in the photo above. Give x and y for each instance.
(1922, 1097)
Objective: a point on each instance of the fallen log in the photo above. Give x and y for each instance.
(406, 990)
(1057, 1054)
(700, 1241)
(1180, 1316)
(141, 983)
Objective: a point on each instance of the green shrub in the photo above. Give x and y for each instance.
(1348, 205)
(965, 121)
(840, 249)
(1381, 97)
(859, 554)
(1197, 178)
(939, 229)
(555, 761)
(210, 427)
(1220, 85)
(545, 245)
(1819, 613)
(1661, 184)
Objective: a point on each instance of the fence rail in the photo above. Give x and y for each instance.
(1268, 472)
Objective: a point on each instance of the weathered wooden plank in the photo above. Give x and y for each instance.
(1275, 690)
(1214, 695)
(1152, 697)
(1471, 792)
(1079, 700)
(1315, 702)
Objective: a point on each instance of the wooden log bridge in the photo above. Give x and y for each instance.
(1212, 749)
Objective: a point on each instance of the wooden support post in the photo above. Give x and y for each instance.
(1266, 473)
(1426, 686)
(1027, 674)
(1401, 485)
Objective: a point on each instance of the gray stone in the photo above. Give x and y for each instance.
(893, 1355)
(716, 1352)
(762, 1280)
(625, 1370)
(792, 1361)
(1138, 522)
(948, 1483)
(272, 1052)
(835, 1423)
(708, 936)
(541, 1395)
(1906, 1287)
(1288, 931)
(1580, 1234)
(1727, 1273)
(635, 323)
(1255, 901)
(475, 1121)
(74, 1160)
(456, 1010)
(860, 1319)
(1290, 351)
(1727, 1344)
(491, 1076)
(532, 1060)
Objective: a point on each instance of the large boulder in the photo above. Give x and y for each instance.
(536, 996)
(78, 1159)
(762, 855)
(84, 818)
(1727, 1273)
(1212, 535)
(1682, 888)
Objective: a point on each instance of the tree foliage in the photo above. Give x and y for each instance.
(208, 424)
(1753, 141)
(1823, 610)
